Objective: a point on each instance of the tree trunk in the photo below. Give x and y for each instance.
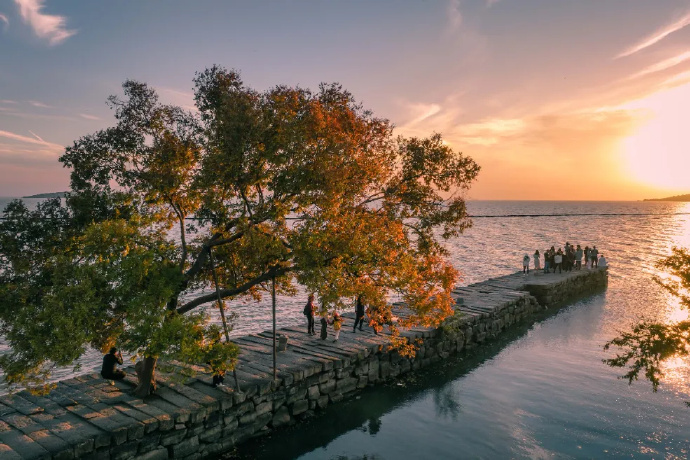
(146, 373)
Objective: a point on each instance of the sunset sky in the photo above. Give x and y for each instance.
(555, 99)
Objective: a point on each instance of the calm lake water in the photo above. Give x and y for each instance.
(541, 392)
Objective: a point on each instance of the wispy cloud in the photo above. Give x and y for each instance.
(30, 140)
(7, 101)
(13, 154)
(175, 92)
(663, 65)
(89, 117)
(36, 136)
(489, 132)
(454, 15)
(657, 36)
(40, 105)
(678, 79)
(48, 27)
(4, 19)
(35, 116)
(421, 112)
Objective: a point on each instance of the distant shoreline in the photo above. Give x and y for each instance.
(671, 198)
(47, 195)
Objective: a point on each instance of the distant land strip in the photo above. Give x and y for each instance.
(671, 198)
(47, 195)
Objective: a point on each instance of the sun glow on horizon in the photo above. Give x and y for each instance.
(658, 153)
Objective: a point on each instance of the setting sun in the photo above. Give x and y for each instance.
(658, 154)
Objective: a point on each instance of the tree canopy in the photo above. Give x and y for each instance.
(289, 184)
(648, 344)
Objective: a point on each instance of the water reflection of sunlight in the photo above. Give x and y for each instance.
(676, 372)
(676, 311)
(683, 238)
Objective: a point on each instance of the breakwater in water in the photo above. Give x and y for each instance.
(85, 417)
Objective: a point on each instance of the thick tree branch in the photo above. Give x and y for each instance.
(215, 243)
(233, 291)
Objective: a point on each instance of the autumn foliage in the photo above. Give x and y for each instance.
(288, 184)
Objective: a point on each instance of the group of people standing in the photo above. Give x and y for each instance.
(336, 320)
(565, 260)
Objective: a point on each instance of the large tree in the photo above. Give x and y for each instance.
(287, 185)
(644, 348)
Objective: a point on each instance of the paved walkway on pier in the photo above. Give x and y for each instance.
(86, 413)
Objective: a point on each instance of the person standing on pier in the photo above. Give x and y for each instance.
(525, 264)
(309, 313)
(594, 253)
(570, 258)
(359, 313)
(110, 361)
(337, 324)
(324, 326)
(558, 261)
(537, 260)
(586, 256)
(578, 258)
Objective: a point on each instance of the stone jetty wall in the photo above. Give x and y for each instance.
(86, 417)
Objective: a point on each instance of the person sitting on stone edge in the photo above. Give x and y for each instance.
(110, 361)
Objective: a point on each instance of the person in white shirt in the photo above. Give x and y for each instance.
(537, 260)
(525, 264)
(558, 261)
(602, 261)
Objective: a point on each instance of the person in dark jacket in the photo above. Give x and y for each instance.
(309, 313)
(324, 327)
(359, 314)
(110, 361)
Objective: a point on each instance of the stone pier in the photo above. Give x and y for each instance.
(87, 418)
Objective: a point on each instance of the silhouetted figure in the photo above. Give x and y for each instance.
(594, 252)
(578, 258)
(525, 264)
(602, 262)
(324, 327)
(359, 313)
(110, 361)
(309, 313)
